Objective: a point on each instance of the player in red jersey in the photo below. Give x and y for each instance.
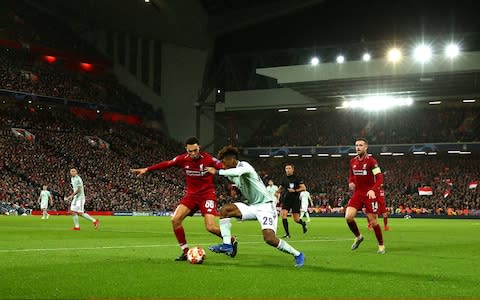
(365, 181)
(200, 194)
(382, 210)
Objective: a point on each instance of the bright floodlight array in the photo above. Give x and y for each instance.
(375, 103)
(421, 53)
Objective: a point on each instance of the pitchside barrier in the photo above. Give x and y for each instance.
(474, 215)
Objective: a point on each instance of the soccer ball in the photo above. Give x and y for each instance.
(196, 255)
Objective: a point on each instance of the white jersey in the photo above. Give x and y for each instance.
(44, 197)
(77, 183)
(305, 199)
(271, 190)
(248, 182)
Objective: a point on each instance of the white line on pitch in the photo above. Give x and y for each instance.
(143, 246)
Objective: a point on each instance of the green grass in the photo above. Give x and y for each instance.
(132, 257)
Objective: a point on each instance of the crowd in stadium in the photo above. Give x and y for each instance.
(408, 126)
(60, 144)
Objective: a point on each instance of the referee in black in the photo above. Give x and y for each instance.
(291, 187)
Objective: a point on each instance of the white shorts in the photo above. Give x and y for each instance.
(265, 213)
(77, 205)
(44, 205)
(304, 206)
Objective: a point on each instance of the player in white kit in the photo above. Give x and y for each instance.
(261, 206)
(305, 200)
(78, 201)
(45, 198)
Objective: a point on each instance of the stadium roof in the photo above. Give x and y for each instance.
(440, 79)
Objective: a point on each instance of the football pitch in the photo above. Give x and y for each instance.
(132, 257)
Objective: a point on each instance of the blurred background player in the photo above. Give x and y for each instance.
(200, 193)
(78, 201)
(272, 191)
(305, 200)
(291, 186)
(261, 205)
(382, 210)
(365, 181)
(45, 199)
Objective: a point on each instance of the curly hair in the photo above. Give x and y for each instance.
(228, 151)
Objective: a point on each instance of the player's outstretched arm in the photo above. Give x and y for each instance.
(139, 172)
(211, 170)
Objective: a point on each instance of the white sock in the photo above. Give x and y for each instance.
(302, 214)
(88, 217)
(308, 215)
(285, 247)
(75, 221)
(225, 230)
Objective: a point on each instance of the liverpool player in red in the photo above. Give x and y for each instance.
(200, 194)
(365, 181)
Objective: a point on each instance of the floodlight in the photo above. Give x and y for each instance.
(394, 55)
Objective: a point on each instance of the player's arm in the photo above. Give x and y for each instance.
(51, 199)
(301, 188)
(160, 166)
(351, 180)
(378, 181)
(310, 200)
(234, 172)
(74, 193)
(279, 190)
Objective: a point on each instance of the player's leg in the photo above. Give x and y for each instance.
(385, 221)
(296, 216)
(208, 208)
(352, 207)
(76, 223)
(74, 208)
(266, 216)
(85, 215)
(307, 215)
(378, 231)
(43, 214)
(297, 219)
(284, 215)
(229, 245)
(181, 212)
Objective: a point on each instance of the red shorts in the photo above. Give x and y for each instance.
(372, 206)
(205, 206)
(381, 203)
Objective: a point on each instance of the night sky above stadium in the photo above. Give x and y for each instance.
(335, 22)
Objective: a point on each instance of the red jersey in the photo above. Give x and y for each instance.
(198, 181)
(365, 173)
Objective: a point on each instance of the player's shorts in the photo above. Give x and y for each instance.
(77, 205)
(381, 203)
(265, 213)
(360, 199)
(304, 206)
(44, 205)
(291, 204)
(200, 204)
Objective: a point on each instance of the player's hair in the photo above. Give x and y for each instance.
(228, 151)
(291, 165)
(192, 140)
(361, 139)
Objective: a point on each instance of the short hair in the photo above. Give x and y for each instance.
(228, 151)
(290, 164)
(362, 139)
(192, 140)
